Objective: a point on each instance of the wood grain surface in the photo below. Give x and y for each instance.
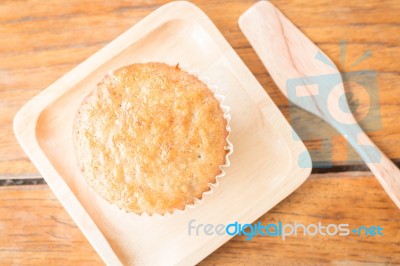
(46, 234)
(41, 41)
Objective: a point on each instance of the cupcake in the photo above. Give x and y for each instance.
(150, 138)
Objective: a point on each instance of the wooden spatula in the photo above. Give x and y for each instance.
(312, 81)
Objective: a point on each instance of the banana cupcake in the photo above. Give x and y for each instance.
(150, 138)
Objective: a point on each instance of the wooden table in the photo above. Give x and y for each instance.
(40, 41)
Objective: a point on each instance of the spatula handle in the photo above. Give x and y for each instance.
(387, 173)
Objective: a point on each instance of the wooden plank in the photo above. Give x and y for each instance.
(326, 198)
(35, 229)
(41, 42)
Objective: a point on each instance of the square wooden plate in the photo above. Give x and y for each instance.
(264, 165)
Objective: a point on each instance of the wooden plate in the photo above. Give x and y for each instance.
(264, 165)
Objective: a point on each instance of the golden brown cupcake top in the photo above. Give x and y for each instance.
(150, 138)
